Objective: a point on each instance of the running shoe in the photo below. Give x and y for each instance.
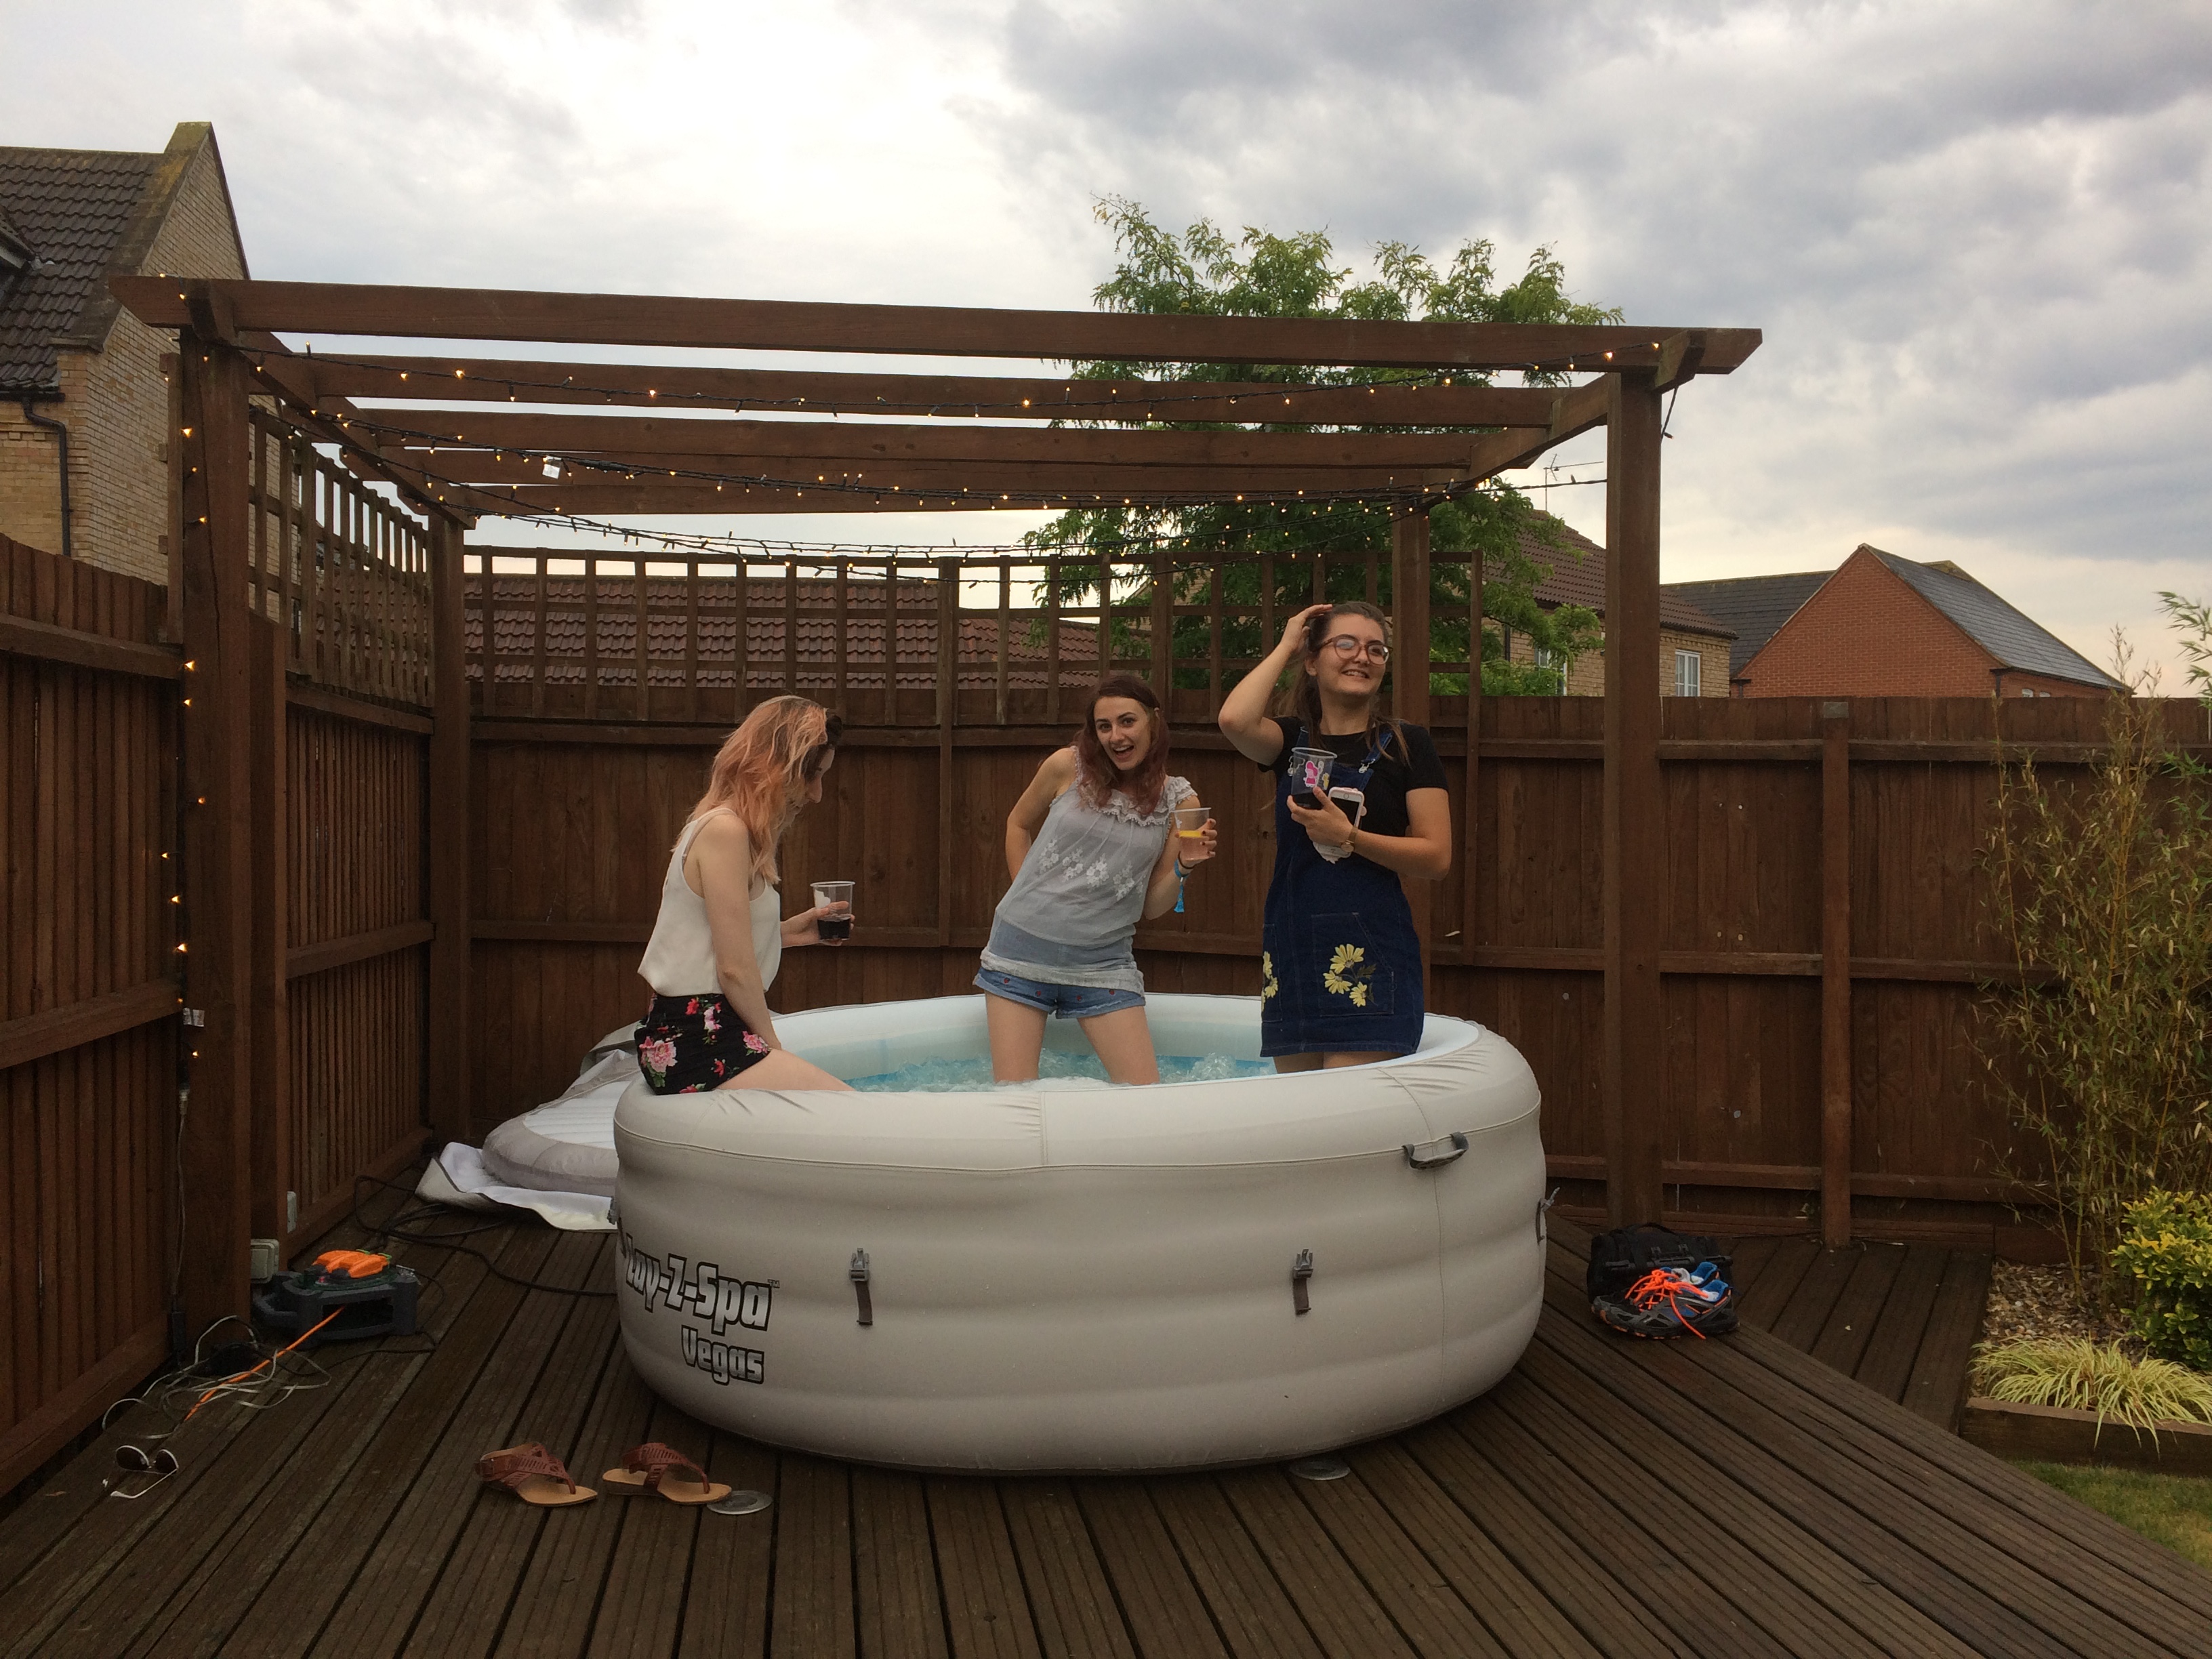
(1672, 1302)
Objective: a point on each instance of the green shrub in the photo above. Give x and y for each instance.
(2102, 889)
(2167, 1250)
(2139, 1393)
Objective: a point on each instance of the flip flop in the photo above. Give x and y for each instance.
(653, 1468)
(534, 1475)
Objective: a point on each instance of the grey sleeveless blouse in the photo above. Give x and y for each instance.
(1072, 912)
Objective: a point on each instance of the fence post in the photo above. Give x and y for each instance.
(1635, 806)
(448, 1033)
(1409, 604)
(1409, 682)
(1469, 893)
(1162, 630)
(1836, 973)
(270, 644)
(948, 690)
(214, 1148)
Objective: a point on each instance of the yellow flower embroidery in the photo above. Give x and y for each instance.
(1268, 985)
(1349, 972)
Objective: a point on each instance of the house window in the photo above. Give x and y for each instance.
(1687, 666)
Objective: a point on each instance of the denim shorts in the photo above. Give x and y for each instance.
(1067, 1001)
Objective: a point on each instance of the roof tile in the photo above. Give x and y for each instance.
(1580, 580)
(1754, 606)
(2014, 639)
(70, 206)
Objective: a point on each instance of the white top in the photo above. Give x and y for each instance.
(679, 957)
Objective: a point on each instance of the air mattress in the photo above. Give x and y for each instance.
(1032, 1278)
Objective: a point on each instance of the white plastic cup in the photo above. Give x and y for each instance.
(835, 898)
(1309, 770)
(1190, 823)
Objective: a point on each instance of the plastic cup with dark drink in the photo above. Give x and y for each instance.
(834, 899)
(1309, 770)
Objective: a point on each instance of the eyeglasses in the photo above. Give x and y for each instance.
(133, 1460)
(1349, 645)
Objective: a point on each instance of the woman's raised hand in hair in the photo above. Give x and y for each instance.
(1294, 631)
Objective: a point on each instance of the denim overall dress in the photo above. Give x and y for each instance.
(1341, 965)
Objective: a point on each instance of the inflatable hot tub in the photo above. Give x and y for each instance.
(1056, 1277)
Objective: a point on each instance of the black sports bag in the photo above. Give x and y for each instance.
(1619, 1258)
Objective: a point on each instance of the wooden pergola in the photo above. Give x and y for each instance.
(655, 439)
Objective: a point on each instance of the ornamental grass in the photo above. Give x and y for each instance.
(2141, 1394)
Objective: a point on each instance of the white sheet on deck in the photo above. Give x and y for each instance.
(457, 1176)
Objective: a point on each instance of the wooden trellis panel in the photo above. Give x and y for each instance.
(339, 567)
(89, 1077)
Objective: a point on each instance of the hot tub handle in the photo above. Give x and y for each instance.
(868, 1312)
(1435, 1154)
(1301, 1271)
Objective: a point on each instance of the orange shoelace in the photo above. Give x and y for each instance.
(1665, 1285)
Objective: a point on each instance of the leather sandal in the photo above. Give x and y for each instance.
(534, 1475)
(653, 1468)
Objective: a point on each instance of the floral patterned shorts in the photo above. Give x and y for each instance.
(689, 1044)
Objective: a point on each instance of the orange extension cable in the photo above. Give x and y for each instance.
(271, 1360)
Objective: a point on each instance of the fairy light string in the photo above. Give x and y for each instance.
(1538, 374)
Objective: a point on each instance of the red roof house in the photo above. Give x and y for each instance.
(1882, 626)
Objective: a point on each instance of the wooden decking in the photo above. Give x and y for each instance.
(1901, 1319)
(1738, 1497)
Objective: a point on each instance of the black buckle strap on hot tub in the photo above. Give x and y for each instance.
(1435, 1154)
(1301, 1271)
(868, 1312)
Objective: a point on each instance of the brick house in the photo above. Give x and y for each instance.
(1885, 626)
(80, 375)
(1693, 646)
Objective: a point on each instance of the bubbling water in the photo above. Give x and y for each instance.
(937, 1077)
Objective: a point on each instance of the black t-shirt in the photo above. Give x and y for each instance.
(1394, 774)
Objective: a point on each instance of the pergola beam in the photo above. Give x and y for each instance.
(1573, 413)
(499, 380)
(865, 442)
(481, 466)
(611, 499)
(328, 308)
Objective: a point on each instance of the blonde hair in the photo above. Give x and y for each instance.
(761, 771)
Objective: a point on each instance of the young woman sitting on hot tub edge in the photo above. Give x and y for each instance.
(721, 934)
(1340, 965)
(1091, 846)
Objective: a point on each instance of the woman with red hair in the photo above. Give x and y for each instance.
(721, 933)
(1091, 848)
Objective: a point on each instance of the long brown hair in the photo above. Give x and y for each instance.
(761, 771)
(1303, 699)
(1095, 773)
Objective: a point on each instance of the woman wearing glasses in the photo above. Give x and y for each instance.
(1340, 967)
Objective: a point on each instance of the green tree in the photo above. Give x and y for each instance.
(1205, 272)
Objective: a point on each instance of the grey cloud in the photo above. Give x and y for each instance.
(1978, 235)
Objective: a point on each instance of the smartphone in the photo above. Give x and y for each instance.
(1352, 803)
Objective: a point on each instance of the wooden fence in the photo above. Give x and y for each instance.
(1825, 930)
(88, 1062)
(1019, 637)
(98, 942)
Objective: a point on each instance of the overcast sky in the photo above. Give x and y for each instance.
(1978, 237)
